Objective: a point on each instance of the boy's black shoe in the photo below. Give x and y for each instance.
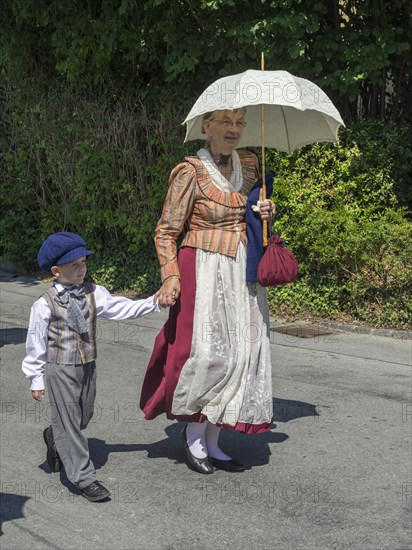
(53, 459)
(95, 492)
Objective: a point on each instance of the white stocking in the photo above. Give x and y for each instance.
(212, 439)
(196, 441)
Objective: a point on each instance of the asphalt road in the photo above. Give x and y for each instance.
(334, 472)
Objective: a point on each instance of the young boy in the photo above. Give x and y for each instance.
(61, 344)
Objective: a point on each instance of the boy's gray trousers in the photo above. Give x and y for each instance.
(72, 392)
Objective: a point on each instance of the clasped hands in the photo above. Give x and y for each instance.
(169, 292)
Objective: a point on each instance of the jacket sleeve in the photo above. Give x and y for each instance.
(177, 207)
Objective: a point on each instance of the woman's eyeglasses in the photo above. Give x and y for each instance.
(228, 123)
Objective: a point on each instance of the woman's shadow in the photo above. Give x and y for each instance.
(255, 450)
(252, 450)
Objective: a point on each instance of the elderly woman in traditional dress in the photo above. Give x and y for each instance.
(210, 365)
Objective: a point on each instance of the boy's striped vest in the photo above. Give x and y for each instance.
(64, 345)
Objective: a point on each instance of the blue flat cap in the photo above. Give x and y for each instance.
(61, 248)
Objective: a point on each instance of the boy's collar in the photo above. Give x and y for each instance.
(61, 288)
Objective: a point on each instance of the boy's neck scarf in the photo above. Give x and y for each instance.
(75, 301)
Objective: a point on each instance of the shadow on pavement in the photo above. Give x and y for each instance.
(254, 450)
(24, 281)
(13, 335)
(286, 410)
(11, 507)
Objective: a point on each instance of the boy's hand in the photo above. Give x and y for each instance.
(37, 394)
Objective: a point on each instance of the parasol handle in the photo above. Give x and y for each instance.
(262, 117)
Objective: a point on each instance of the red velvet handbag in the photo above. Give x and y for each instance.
(278, 266)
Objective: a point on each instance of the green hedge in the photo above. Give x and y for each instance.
(343, 212)
(99, 166)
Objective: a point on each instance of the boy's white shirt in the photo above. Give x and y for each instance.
(115, 308)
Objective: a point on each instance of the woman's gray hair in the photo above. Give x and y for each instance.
(206, 117)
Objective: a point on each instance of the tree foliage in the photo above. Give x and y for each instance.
(92, 95)
(340, 213)
(358, 50)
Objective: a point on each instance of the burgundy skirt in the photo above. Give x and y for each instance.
(171, 351)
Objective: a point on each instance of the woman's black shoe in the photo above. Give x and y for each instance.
(231, 465)
(201, 465)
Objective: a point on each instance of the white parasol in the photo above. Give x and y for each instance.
(297, 111)
(283, 111)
